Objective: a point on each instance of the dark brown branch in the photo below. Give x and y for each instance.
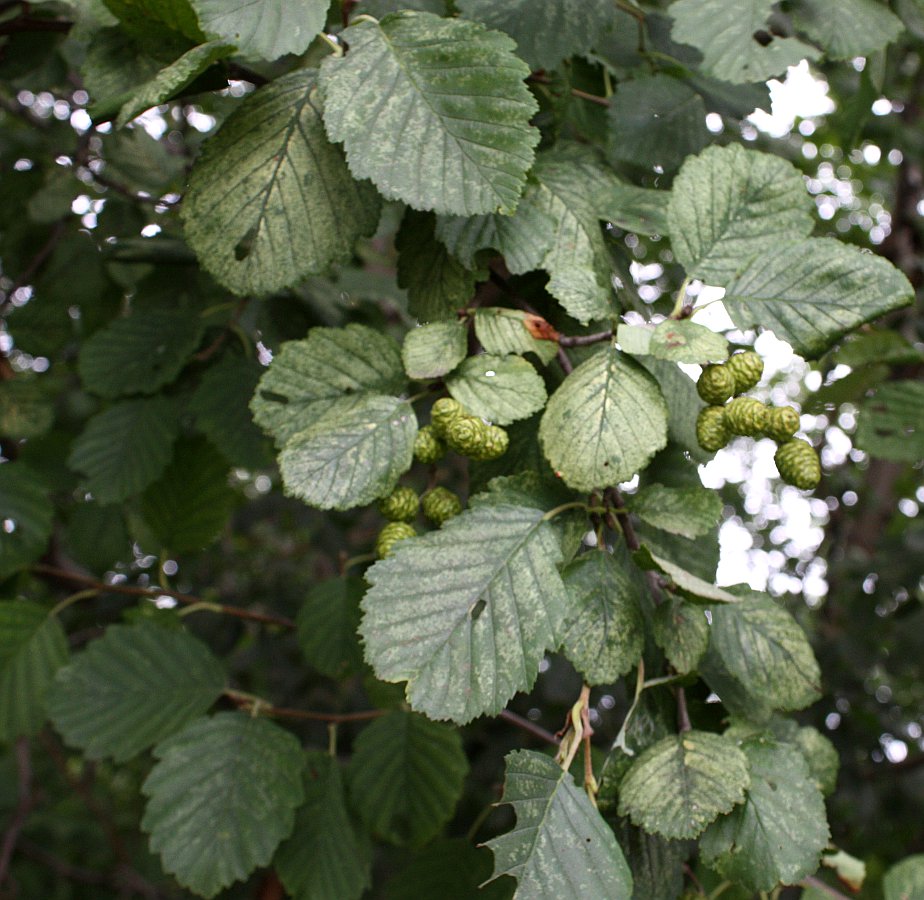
(582, 340)
(531, 727)
(24, 806)
(32, 24)
(248, 701)
(538, 78)
(75, 578)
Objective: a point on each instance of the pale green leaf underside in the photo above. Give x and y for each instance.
(905, 881)
(406, 775)
(465, 614)
(560, 846)
(730, 50)
(683, 782)
(682, 581)
(33, 647)
(327, 857)
(307, 376)
(434, 111)
(133, 687)
(778, 834)
(891, 422)
(682, 632)
(263, 30)
(433, 350)
(353, 454)
(270, 200)
(689, 511)
(221, 797)
(24, 504)
(503, 331)
(764, 648)
(604, 633)
(546, 31)
(126, 447)
(812, 292)
(502, 389)
(172, 79)
(604, 423)
(138, 354)
(729, 204)
(860, 28)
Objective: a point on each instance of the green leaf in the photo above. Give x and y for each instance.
(168, 82)
(353, 454)
(437, 284)
(433, 350)
(688, 511)
(681, 581)
(679, 785)
(133, 687)
(657, 864)
(821, 756)
(138, 17)
(263, 30)
(546, 31)
(307, 377)
(604, 423)
(219, 406)
(632, 208)
(327, 857)
(97, 537)
(25, 517)
(578, 261)
(682, 632)
(113, 65)
(501, 331)
(730, 204)
(604, 632)
(26, 410)
(684, 406)
(465, 614)
(889, 424)
(222, 796)
(434, 111)
(189, 505)
(684, 341)
(406, 776)
(733, 52)
(763, 647)
(126, 447)
(812, 292)
(270, 200)
(140, 353)
(451, 869)
(560, 846)
(873, 347)
(905, 880)
(501, 389)
(860, 28)
(327, 623)
(33, 647)
(778, 834)
(655, 120)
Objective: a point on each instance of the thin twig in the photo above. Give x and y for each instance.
(683, 715)
(582, 340)
(261, 707)
(35, 264)
(24, 806)
(66, 575)
(531, 727)
(575, 92)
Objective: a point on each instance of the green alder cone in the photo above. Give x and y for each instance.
(428, 448)
(745, 415)
(716, 384)
(467, 435)
(782, 423)
(495, 444)
(746, 367)
(400, 505)
(390, 535)
(798, 464)
(441, 504)
(712, 432)
(443, 413)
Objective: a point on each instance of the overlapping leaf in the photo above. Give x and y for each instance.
(778, 834)
(683, 782)
(682, 632)
(222, 796)
(434, 111)
(729, 204)
(684, 341)
(26, 410)
(502, 331)
(688, 511)
(604, 422)
(270, 200)
(633, 208)
(905, 880)
(465, 614)
(502, 389)
(860, 28)
(560, 846)
(133, 687)
(25, 517)
(327, 623)
(32, 649)
(406, 776)
(451, 869)
(812, 292)
(683, 581)
(433, 350)
(891, 422)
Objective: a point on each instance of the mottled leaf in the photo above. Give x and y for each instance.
(905, 880)
(688, 511)
(684, 341)
(433, 350)
(502, 331)
(681, 581)
(860, 28)
(642, 210)
(681, 630)
(501, 389)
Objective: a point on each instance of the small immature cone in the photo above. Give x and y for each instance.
(798, 464)
(746, 368)
(400, 505)
(466, 434)
(428, 448)
(711, 430)
(782, 423)
(745, 415)
(443, 413)
(716, 384)
(441, 504)
(495, 444)
(390, 535)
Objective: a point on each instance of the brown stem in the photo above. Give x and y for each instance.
(24, 806)
(582, 340)
(35, 264)
(537, 78)
(71, 577)
(683, 715)
(531, 727)
(281, 712)
(31, 24)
